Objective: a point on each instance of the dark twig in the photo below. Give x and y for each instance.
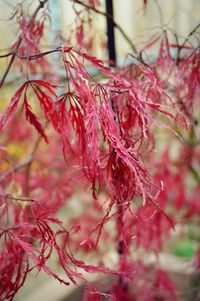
(39, 55)
(10, 197)
(190, 34)
(6, 54)
(185, 41)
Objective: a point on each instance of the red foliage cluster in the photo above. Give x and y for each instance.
(107, 133)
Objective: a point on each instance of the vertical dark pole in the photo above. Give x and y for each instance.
(112, 58)
(110, 33)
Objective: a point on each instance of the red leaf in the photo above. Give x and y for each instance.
(28, 248)
(97, 63)
(33, 120)
(7, 116)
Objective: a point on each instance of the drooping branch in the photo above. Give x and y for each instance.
(19, 41)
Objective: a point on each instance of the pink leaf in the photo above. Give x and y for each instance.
(33, 120)
(7, 116)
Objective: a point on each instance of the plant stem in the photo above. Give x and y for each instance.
(184, 42)
(10, 197)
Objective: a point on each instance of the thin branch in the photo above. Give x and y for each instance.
(108, 16)
(185, 41)
(39, 55)
(10, 197)
(6, 54)
(19, 41)
(190, 34)
(31, 57)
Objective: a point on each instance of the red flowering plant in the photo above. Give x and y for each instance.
(87, 144)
